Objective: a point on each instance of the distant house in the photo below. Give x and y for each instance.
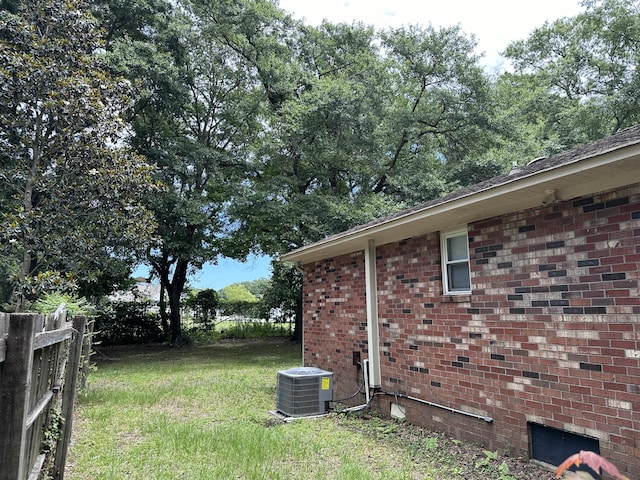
(507, 313)
(142, 291)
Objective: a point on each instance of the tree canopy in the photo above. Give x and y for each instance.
(228, 128)
(70, 187)
(584, 71)
(236, 293)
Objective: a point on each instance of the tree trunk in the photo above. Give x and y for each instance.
(174, 314)
(297, 331)
(27, 257)
(164, 318)
(174, 291)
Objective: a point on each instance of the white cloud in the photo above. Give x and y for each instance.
(495, 23)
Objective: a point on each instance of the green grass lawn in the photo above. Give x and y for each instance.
(203, 413)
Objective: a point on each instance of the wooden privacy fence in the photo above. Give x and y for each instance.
(40, 359)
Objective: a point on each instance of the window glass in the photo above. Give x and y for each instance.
(455, 262)
(457, 248)
(459, 276)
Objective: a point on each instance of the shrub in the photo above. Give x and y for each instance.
(241, 309)
(122, 323)
(253, 330)
(74, 305)
(202, 335)
(204, 305)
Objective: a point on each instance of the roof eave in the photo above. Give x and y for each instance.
(606, 171)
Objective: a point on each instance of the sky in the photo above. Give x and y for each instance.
(494, 23)
(225, 272)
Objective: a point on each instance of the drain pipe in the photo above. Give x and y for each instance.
(365, 374)
(442, 407)
(371, 365)
(373, 335)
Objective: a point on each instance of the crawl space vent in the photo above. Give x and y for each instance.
(552, 446)
(304, 391)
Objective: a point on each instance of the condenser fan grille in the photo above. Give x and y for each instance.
(304, 391)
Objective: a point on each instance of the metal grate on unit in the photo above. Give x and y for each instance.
(304, 391)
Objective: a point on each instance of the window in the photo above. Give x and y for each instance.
(456, 276)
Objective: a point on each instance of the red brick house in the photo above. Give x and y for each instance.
(507, 313)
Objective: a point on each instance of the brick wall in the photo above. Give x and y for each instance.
(335, 319)
(549, 335)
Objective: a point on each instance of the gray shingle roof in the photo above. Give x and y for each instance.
(621, 139)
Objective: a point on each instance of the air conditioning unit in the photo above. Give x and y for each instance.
(304, 391)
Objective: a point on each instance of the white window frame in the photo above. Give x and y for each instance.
(444, 236)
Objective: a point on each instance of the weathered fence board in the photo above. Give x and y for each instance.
(44, 339)
(43, 403)
(85, 359)
(69, 395)
(39, 365)
(14, 402)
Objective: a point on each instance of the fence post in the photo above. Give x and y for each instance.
(14, 396)
(69, 394)
(86, 352)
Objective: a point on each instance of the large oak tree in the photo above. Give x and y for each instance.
(584, 73)
(195, 116)
(270, 134)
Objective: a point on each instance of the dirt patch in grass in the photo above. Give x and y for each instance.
(458, 460)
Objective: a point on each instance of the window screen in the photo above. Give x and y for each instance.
(456, 275)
